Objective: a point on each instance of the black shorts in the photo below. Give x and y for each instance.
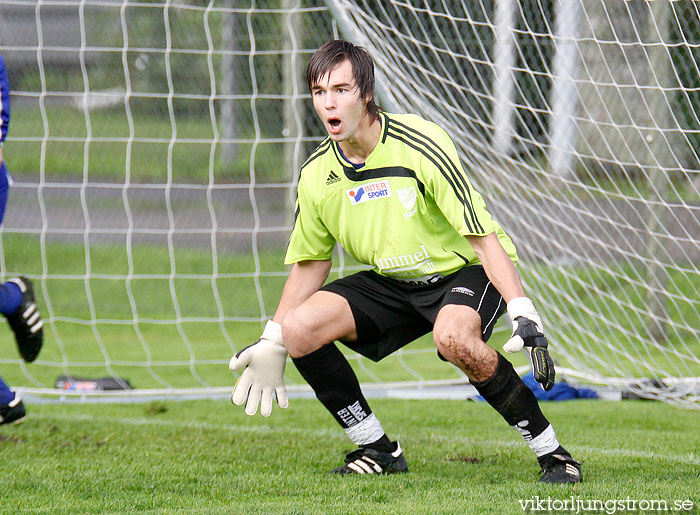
(390, 314)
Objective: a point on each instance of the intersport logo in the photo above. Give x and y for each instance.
(370, 191)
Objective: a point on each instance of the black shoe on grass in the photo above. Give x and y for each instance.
(559, 467)
(12, 413)
(371, 461)
(26, 322)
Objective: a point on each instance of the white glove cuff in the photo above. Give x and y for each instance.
(273, 333)
(521, 307)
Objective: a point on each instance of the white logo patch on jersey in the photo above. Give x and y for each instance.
(407, 197)
(463, 290)
(418, 262)
(370, 191)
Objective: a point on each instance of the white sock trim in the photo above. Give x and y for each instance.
(545, 442)
(365, 432)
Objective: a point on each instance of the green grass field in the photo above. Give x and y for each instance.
(209, 457)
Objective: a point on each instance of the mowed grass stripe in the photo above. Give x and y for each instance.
(690, 457)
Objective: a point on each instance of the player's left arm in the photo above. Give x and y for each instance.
(527, 325)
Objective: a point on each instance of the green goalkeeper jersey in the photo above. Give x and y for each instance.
(405, 212)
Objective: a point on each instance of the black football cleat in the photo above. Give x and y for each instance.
(371, 461)
(559, 467)
(26, 322)
(12, 413)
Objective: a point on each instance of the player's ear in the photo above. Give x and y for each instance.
(368, 101)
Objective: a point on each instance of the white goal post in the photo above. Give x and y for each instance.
(155, 147)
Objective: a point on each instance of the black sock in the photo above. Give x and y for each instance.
(507, 394)
(558, 450)
(335, 384)
(382, 445)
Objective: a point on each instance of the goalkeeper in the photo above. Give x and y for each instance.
(390, 189)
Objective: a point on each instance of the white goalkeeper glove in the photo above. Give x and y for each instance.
(263, 377)
(527, 332)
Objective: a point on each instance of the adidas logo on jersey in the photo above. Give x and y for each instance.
(332, 178)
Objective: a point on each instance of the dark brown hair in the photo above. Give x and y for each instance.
(335, 52)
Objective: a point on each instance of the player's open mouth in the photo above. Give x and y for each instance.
(334, 124)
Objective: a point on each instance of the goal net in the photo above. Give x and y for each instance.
(578, 120)
(155, 147)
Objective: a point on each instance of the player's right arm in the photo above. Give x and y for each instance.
(305, 279)
(4, 104)
(309, 251)
(264, 361)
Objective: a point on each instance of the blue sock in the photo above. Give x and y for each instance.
(6, 395)
(10, 298)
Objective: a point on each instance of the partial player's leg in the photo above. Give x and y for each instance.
(323, 318)
(459, 334)
(18, 305)
(17, 298)
(309, 332)
(11, 406)
(507, 394)
(458, 338)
